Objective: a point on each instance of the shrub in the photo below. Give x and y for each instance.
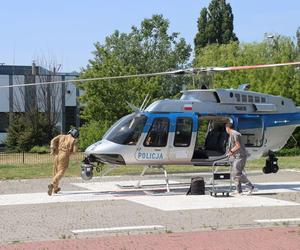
(288, 152)
(23, 133)
(40, 149)
(91, 132)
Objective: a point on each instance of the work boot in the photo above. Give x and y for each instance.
(236, 194)
(50, 189)
(250, 191)
(56, 190)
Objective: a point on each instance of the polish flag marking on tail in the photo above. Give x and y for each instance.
(188, 106)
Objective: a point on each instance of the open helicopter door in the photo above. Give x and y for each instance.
(212, 139)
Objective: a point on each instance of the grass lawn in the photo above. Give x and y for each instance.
(44, 170)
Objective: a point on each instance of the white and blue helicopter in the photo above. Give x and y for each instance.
(191, 130)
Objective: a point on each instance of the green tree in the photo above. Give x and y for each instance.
(215, 25)
(38, 124)
(149, 48)
(27, 131)
(284, 81)
(201, 38)
(90, 132)
(279, 81)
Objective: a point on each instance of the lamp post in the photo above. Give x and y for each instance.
(271, 44)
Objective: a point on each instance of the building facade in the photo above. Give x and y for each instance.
(59, 100)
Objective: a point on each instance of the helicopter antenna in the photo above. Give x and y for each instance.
(144, 102)
(133, 107)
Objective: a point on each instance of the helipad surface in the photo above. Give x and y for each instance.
(114, 206)
(96, 191)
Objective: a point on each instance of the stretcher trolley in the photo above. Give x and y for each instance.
(221, 182)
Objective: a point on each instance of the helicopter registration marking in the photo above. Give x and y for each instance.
(150, 156)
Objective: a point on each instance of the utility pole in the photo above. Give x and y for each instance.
(11, 100)
(63, 105)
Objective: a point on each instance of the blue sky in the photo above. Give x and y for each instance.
(66, 30)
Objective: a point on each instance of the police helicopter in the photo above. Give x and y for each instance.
(191, 130)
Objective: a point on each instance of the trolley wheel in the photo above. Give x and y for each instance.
(227, 194)
(215, 194)
(210, 193)
(275, 169)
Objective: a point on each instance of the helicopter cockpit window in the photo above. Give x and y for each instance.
(183, 132)
(128, 130)
(158, 133)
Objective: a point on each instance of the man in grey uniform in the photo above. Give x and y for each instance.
(239, 154)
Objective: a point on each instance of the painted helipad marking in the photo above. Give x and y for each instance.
(103, 191)
(278, 220)
(116, 185)
(42, 198)
(183, 202)
(277, 187)
(118, 229)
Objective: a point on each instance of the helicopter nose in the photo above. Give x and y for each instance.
(90, 149)
(105, 152)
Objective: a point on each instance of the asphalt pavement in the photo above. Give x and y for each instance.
(114, 207)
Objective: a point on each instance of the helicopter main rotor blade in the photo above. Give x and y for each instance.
(234, 68)
(92, 79)
(188, 71)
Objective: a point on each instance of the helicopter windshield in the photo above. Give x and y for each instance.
(127, 130)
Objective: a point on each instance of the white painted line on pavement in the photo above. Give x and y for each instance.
(183, 202)
(278, 220)
(43, 198)
(117, 229)
(117, 185)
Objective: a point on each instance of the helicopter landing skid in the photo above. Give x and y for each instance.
(162, 168)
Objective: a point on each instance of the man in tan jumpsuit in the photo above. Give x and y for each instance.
(62, 146)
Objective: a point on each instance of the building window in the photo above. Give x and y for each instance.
(70, 117)
(4, 122)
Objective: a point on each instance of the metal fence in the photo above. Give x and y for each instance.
(32, 158)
